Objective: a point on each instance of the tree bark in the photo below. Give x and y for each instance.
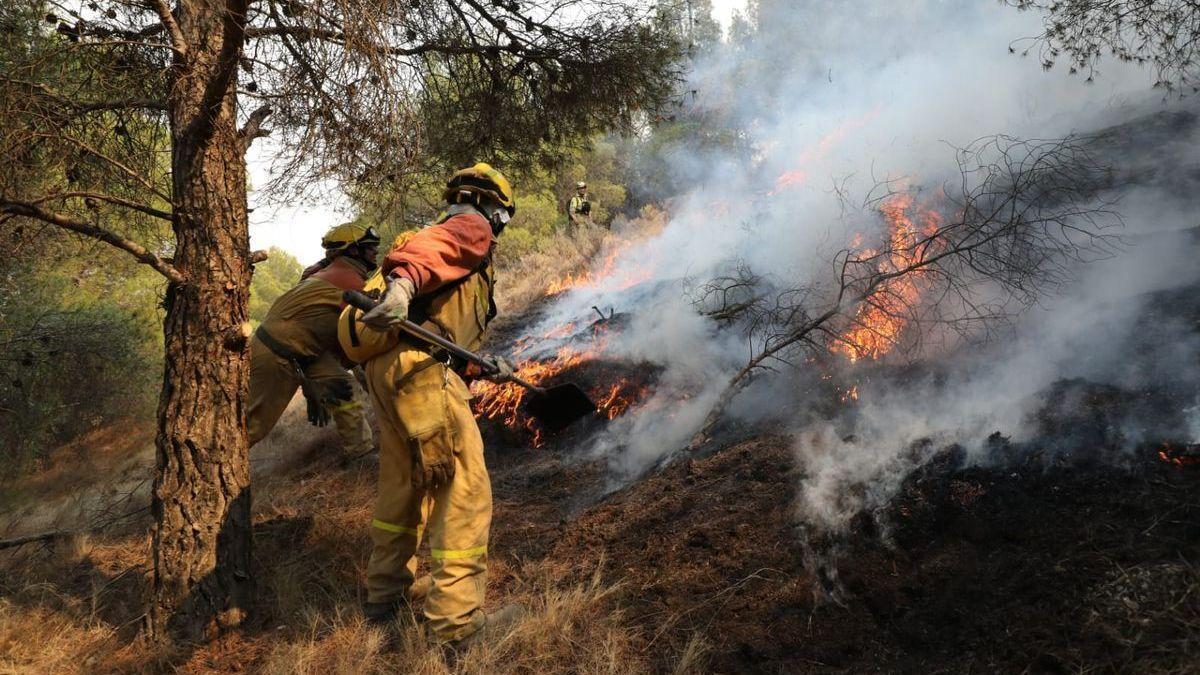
(201, 504)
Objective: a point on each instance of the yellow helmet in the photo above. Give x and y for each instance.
(341, 237)
(481, 179)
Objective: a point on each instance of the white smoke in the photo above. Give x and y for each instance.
(847, 94)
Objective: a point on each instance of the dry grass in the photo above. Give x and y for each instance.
(523, 281)
(36, 639)
(76, 606)
(77, 609)
(573, 629)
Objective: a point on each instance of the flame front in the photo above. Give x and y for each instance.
(503, 401)
(1180, 456)
(881, 318)
(592, 278)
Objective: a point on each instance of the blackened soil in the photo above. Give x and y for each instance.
(1040, 567)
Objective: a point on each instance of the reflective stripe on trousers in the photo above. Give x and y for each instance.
(455, 517)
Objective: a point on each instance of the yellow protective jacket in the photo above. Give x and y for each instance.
(304, 319)
(458, 309)
(580, 205)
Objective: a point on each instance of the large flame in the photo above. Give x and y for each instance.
(880, 319)
(503, 402)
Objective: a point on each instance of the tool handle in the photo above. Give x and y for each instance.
(366, 304)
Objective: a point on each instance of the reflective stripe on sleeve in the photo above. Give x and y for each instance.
(347, 405)
(450, 554)
(398, 529)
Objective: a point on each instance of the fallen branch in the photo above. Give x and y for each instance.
(31, 538)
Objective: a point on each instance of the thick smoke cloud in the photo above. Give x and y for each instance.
(847, 94)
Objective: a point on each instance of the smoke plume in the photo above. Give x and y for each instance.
(829, 99)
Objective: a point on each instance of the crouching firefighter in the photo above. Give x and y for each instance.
(297, 345)
(433, 483)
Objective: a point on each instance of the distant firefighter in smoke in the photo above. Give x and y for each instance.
(432, 478)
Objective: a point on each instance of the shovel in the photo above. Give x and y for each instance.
(554, 407)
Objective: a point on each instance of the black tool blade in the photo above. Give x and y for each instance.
(560, 406)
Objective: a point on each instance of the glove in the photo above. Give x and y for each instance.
(336, 391)
(318, 414)
(503, 370)
(393, 307)
(433, 466)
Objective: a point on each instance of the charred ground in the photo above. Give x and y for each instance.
(1046, 565)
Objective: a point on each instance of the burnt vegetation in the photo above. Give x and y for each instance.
(966, 257)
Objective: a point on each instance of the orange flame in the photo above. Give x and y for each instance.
(503, 401)
(881, 318)
(1180, 457)
(593, 277)
(818, 151)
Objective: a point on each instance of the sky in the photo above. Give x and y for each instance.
(297, 227)
(723, 10)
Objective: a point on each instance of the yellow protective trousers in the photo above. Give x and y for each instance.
(273, 383)
(420, 404)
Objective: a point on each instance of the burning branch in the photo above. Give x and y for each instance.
(1021, 217)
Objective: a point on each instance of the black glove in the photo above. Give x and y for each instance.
(336, 391)
(318, 413)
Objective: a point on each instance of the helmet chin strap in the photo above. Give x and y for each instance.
(495, 213)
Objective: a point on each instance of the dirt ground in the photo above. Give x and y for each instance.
(1030, 568)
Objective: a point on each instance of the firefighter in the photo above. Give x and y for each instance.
(433, 483)
(579, 210)
(297, 345)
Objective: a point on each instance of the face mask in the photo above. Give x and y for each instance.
(499, 219)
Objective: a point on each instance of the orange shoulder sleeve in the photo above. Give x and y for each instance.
(441, 254)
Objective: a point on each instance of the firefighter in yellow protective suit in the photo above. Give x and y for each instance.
(297, 347)
(579, 209)
(433, 482)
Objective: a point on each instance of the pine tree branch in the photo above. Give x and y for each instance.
(167, 17)
(253, 128)
(139, 252)
(111, 199)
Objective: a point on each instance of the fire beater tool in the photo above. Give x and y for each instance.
(554, 407)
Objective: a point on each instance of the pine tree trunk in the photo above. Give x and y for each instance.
(201, 503)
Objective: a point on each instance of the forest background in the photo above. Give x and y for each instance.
(81, 322)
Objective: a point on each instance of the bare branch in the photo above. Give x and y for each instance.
(253, 128)
(29, 539)
(141, 253)
(167, 17)
(129, 104)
